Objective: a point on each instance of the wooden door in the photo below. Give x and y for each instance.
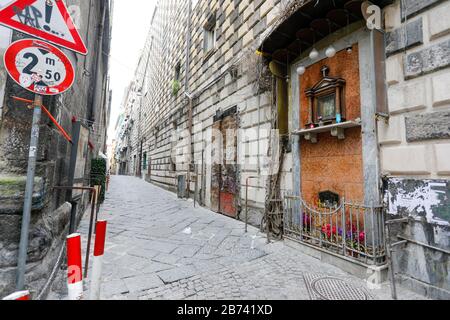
(224, 188)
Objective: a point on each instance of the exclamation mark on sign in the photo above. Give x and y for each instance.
(48, 14)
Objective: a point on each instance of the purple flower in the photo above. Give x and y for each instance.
(307, 220)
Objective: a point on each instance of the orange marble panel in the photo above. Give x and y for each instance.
(333, 164)
(342, 65)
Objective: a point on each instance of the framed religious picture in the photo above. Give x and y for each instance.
(326, 107)
(326, 101)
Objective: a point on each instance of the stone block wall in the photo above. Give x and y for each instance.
(162, 112)
(419, 100)
(415, 142)
(50, 216)
(220, 79)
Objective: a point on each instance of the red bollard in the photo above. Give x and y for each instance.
(99, 250)
(74, 269)
(21, 295)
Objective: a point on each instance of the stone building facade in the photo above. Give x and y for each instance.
(222, 75)
(212, 80)
(88, 102)
(415, 142)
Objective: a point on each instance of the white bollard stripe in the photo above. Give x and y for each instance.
(75, 290)
(74, 269)
(99, 250)
(21, 295)
(96, 278)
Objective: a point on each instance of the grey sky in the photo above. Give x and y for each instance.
(131, 23)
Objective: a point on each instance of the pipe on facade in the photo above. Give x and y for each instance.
(246, 200)
(259, 132)
(189, 96)
(141, 151)
(98, 62)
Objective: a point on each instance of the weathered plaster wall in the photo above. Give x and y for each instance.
(427, 202)
(415, 144)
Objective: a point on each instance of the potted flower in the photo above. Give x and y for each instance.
(330, 233)
(355, 240)
(307, 222)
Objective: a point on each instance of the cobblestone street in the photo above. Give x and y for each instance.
(160, 247)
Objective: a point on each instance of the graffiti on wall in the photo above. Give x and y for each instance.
(429, 199)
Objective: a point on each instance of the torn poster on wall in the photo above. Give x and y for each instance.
(428, 199)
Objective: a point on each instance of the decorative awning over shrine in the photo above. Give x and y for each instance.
(311, 21)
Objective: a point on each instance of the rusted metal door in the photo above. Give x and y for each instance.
(224, 170)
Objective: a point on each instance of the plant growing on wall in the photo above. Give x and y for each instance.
(175, 87)
(98, 176)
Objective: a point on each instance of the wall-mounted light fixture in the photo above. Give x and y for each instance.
(330, 52)
(301, 70)
(314, 54)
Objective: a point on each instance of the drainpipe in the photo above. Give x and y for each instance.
(189, 145)
(99, 56)
(189, 96)
(259, 133)
(140, 141)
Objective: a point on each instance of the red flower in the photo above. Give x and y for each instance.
(362, 236)
(328, 230)
(351, 226)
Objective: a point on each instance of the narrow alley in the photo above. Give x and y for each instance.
(139, 141)
(159, 247)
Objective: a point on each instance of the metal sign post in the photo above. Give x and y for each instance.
(32, 156)
(44, 70)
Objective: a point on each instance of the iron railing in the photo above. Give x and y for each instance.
(351, 230)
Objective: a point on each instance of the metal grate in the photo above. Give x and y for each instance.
(330, 288)
(351, 230)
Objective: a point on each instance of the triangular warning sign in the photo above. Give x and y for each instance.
(48, 20)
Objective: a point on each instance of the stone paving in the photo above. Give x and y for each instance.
(160, 247)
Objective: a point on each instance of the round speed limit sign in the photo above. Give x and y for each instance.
(39, 67)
